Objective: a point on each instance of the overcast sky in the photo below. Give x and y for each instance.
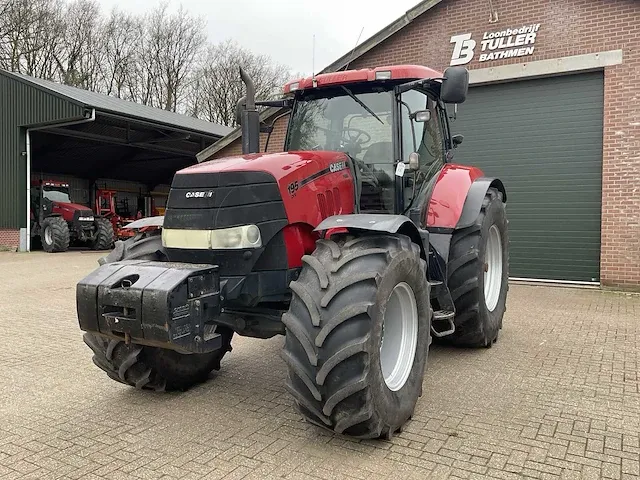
(284, 29)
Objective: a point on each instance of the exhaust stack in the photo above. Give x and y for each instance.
(249, 118)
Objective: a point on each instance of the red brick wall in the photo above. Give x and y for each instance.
(9, 238)
(568, 27)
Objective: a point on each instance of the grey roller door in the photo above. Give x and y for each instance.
(543, 138)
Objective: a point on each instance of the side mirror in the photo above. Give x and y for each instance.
(422, 116)
(457, 140)
(455, 85)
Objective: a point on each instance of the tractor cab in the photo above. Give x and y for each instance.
(388, 120)
(46, 197)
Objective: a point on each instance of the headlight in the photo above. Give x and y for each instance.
(246, 236)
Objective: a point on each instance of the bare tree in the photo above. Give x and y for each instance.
(82, 54)
(122, 35)
(218, 89)
(174, 42)
(30, 34)
(160, 59)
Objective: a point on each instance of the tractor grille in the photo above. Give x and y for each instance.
(206, 201)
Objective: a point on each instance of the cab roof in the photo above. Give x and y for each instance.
(394, 72)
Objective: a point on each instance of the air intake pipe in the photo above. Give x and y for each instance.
(249, 117)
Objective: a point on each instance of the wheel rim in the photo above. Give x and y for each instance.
(399, 336)
(493, 269)
(48, 237)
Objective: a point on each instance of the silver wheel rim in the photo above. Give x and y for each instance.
(493, 269)
(48, 237)
(399, 336)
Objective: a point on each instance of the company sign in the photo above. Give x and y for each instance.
(509, 43)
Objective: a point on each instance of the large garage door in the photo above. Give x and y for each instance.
(543, 138)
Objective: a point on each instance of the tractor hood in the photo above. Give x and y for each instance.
(71, 211)
(279, 165)
(71, 207)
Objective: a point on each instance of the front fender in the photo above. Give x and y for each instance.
(383, 223)
(146, 222)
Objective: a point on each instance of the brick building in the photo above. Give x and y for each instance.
(554, 110)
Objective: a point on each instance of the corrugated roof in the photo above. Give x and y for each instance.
(106, 103)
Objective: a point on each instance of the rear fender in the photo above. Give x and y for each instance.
(475, 197)
(457, 196)
(449, 194)
(394, 224)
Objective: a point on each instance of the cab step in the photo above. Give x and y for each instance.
(443, 317)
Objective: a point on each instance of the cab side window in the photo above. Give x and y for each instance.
(425, 138)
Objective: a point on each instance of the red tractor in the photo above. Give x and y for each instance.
(360, 243)
(59, 222)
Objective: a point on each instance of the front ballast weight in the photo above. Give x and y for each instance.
(161, 304)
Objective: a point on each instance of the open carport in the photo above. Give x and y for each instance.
(90, 141)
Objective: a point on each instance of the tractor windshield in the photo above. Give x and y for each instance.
(340, 123)
(56, 194)
(336, 121)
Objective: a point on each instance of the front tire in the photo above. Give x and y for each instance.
(104, 235)
(478, 275)
(153, 368)
(55, 235)
(147, 367)
(358, 333)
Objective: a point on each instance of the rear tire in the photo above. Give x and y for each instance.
(147, 367)
(472, 264)
(104, 235)
(341, 375)
(54, 233)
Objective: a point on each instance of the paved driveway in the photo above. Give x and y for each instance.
(556, 397)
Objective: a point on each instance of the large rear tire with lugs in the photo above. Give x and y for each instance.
(478, 274)
(147, 367)
(358, 333)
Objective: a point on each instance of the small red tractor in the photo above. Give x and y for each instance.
(361, 243)
(58, 222)
(105, 206)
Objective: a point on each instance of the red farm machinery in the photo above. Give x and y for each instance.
(58, 222)
(361, 243)
(105, 206)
